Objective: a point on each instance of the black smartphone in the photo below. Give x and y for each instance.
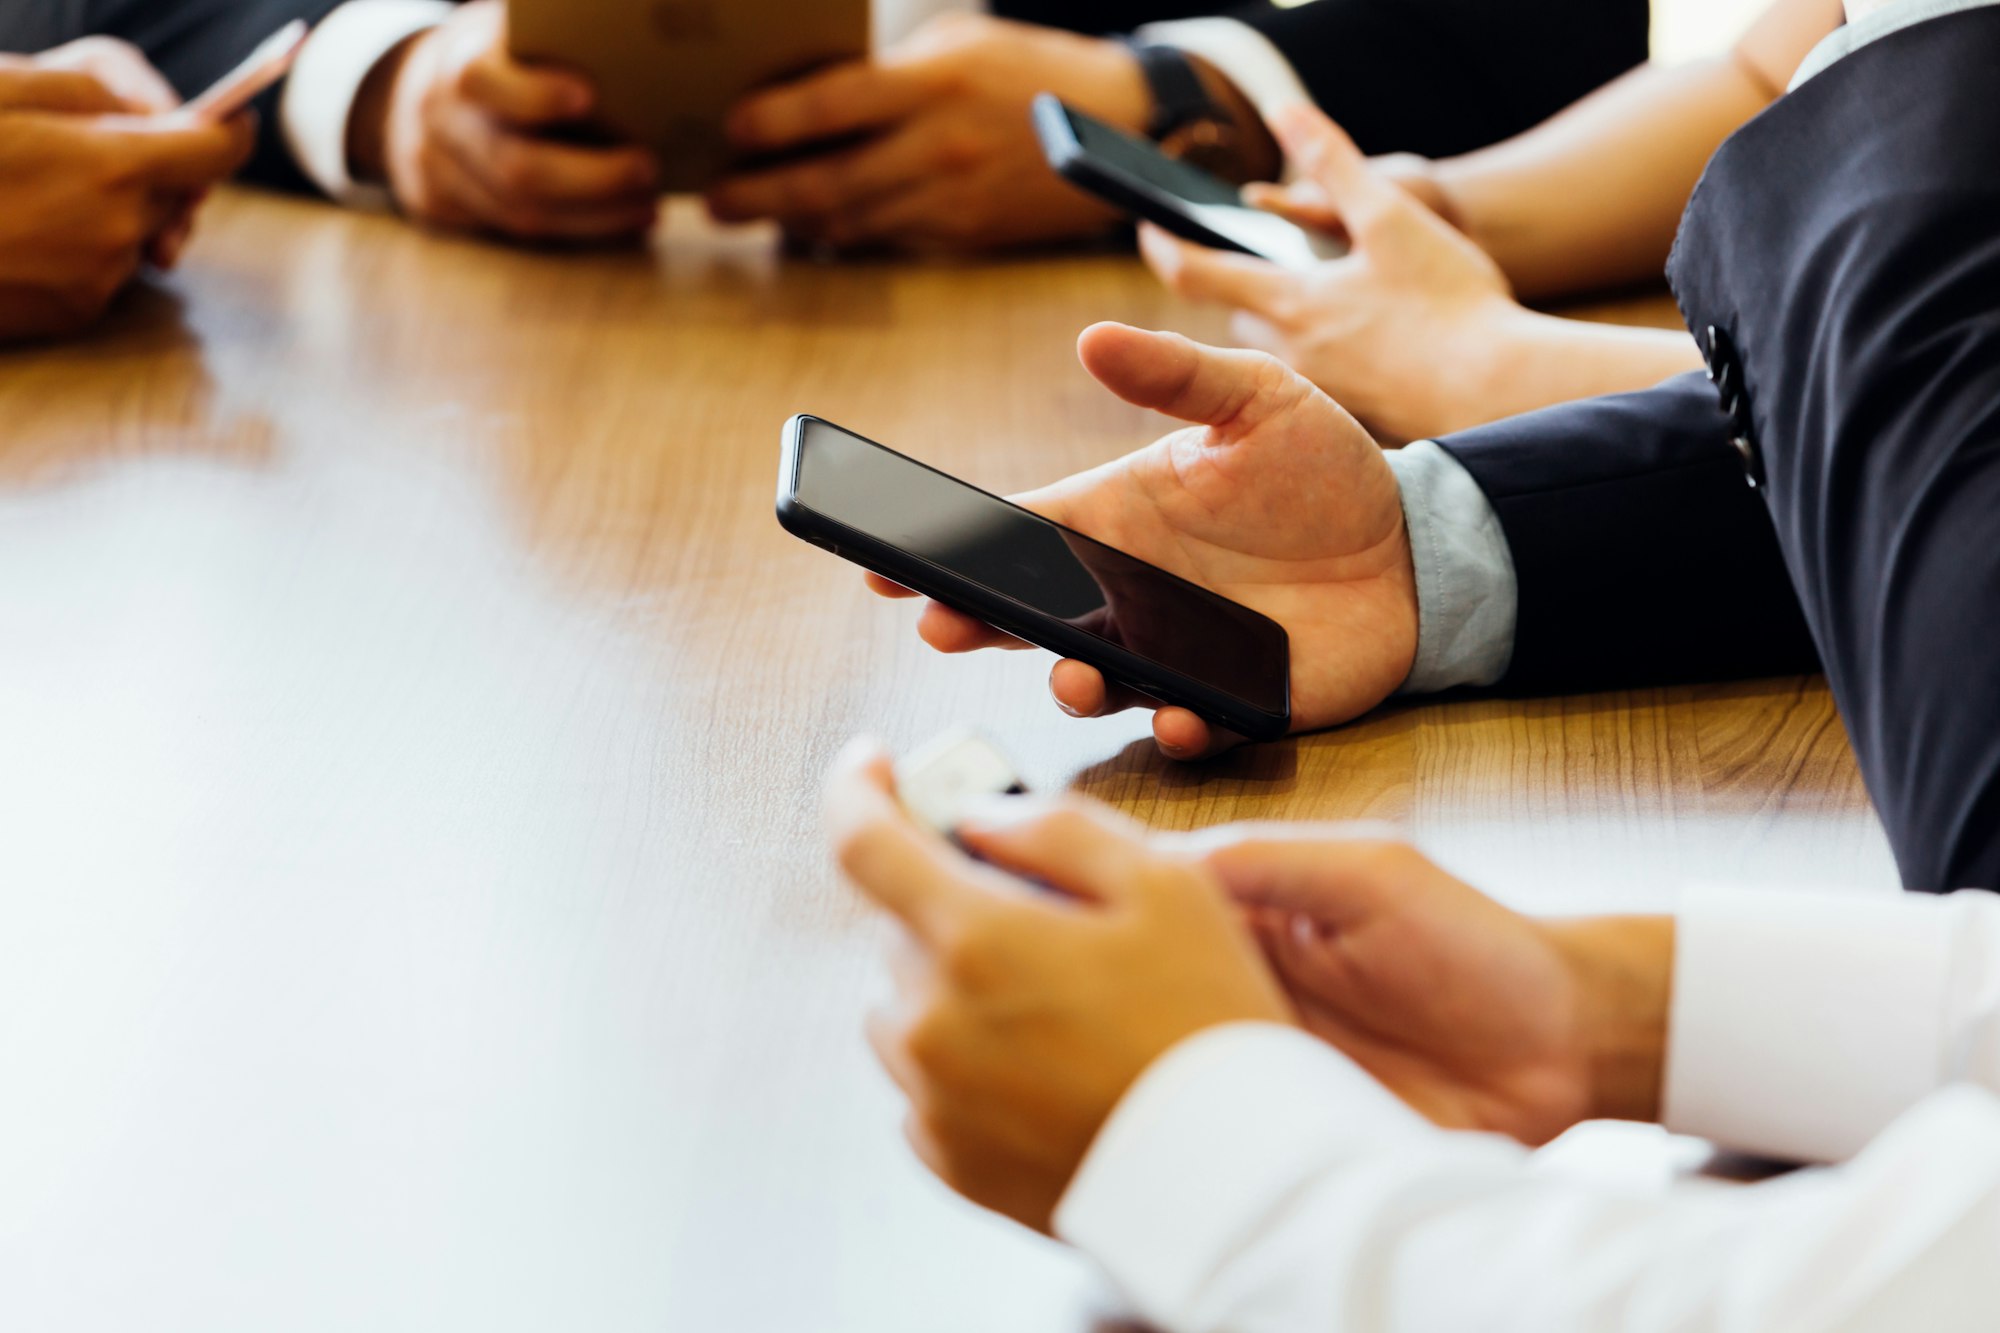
(971, 550)
(1136, 178)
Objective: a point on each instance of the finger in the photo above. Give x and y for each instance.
(538, 175)
(1336, 876)
(1185, 737)
(70, 91)
(524, 96)
(912, 873)
(1078, 845)
(173, 156)
(1321, 150)
(1081, 691)
(1182, 378)
(951, 631)
(832, 183)
(928, 216)
(1302, 203)
(846, 99)
(1197, 273)
(882, 587)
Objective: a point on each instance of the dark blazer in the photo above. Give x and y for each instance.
(1425, 76)
(1435, 77)
(1840, 262)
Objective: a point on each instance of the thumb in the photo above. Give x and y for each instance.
(169, 154)
(69, 91)
(1187, 380)
(1321, 151)
(1337, 877)
(1080, 847)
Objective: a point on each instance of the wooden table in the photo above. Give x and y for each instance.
(412, 913)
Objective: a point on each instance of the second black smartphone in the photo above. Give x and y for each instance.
(1058, 589)
(1136, 178)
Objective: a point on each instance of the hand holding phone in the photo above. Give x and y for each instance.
(1048, 585)
(1135, 177)
(1281, 505)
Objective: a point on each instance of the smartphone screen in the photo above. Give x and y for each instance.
(1213, 203)
(1048, 572)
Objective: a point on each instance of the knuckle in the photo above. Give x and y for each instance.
(961, 147)
(513, 170)
(929, 1043)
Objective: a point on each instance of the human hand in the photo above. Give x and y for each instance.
(119, 68)
(90, 192)
(1023, 1016)
(1276, 499)
(931, 146)
(1401, 330)
(459, 129)
(1478, 1017)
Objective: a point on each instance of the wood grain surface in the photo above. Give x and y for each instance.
(412, 910)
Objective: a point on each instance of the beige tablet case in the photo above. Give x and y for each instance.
(667, 71)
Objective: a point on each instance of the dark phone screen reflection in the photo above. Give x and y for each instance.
(1124, 601)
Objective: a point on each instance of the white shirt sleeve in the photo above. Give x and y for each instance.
(319, 96)
(1244, 56)
(1255, 1181)
(1804, 1023)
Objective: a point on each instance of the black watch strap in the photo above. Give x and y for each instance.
(1179, 96)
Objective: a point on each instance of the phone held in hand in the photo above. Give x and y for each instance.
(938, 781)
(1143, 627)
(1136, 178)
(260, 70)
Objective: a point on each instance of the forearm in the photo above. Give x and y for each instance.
(1591, 198)
(1535, 361)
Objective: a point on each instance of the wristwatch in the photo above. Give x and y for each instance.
(1187, 123)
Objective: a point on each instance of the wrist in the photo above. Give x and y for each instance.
(1622, 972)
(374, 104)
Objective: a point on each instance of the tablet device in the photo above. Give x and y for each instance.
(668, 71)
(1140, 625)
(1135, 177)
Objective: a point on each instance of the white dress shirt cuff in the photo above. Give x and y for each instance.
(1213, 1140)
(1468, 595)
(1804, 1023)
(1244, 56)
(319, 96)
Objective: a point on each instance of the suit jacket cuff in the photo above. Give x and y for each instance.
(319, 96)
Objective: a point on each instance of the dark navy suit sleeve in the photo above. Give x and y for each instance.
(1641, 556)
(1424, 76)
(1846, 247)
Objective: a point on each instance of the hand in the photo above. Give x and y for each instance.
(946, 157)
(1022, 1017)
(118, 67)
(459, 130)
(123, 70)
(89, 192)
(1278, 500)
(1401, 331)
(1476, 1016)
